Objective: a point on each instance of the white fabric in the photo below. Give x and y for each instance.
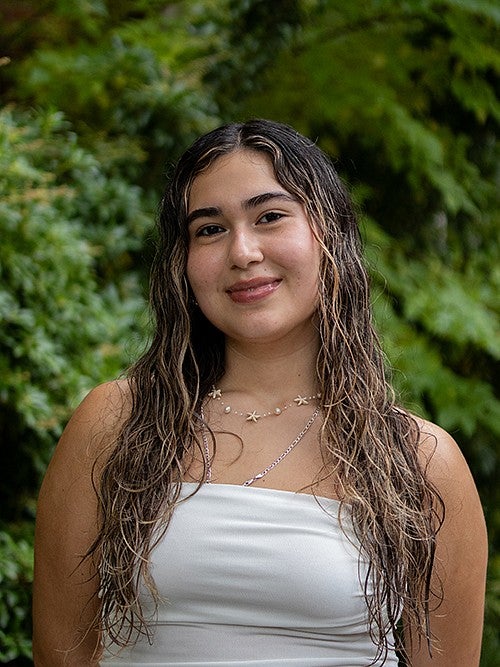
(256, 577)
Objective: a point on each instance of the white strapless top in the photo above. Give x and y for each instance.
(256, 577)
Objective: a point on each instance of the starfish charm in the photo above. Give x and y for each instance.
(215, 393)
(252, 416)
(301, 400)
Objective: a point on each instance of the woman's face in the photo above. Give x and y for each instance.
(253, 261)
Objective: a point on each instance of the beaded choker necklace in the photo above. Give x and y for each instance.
(253, 415)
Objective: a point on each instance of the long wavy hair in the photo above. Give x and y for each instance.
(370, 444)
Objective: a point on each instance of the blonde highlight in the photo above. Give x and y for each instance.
(369, 443)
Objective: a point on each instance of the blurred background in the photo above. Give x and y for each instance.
(97, 100)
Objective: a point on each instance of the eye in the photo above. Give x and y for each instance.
(209, 230)
(271, 216)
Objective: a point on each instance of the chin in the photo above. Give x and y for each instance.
(273, 335)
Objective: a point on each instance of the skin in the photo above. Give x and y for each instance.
(245, 227)
(270, 358)
(66, 526)
(461, 557)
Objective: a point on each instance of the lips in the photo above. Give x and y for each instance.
(249, 291)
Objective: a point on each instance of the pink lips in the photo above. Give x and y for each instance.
(249, 291)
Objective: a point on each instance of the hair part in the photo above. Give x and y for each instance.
(370, 445)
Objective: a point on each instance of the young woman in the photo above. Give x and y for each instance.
(251, 494)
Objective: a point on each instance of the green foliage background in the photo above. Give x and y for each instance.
(98, 98)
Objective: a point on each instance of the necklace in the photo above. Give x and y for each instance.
(253, 415)
(272, 465)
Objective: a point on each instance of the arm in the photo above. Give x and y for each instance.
(461, 558)
(65, 601)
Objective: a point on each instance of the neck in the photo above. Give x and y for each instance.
(271, 370)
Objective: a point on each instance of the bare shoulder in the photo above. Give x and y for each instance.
(445, 463)
(65, 601)
(68, 488)
(89, 435)
(449, 472)
(104, 408)
(435, 441)
(461, 555)
(96, 422)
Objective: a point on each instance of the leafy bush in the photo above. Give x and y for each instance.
(67, 231)
(16, 577)
(403, 95)
(67, 310)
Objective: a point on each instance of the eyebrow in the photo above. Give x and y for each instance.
(252, 202)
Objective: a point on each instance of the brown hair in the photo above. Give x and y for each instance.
(370, 444)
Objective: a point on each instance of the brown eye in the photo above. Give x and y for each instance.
(209, 230)
(272, 216)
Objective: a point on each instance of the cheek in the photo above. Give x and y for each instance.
(305, 259)
(308, 272)
(198, 272)
(193, 265)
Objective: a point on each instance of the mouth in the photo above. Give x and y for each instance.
(249, 291)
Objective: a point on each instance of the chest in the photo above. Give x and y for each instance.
(259, 557)
(282, 454)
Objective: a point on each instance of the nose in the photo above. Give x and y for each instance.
(245, 248)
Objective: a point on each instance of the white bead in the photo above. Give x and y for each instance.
(227, 409)
(277, 411)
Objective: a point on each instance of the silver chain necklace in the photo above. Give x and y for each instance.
(263, 473)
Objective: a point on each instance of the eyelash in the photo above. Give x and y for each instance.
(275, 215)
(211, 230)
(203, 231)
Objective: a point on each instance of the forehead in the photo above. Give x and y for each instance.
(242, 174)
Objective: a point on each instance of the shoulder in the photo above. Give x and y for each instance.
(464, 527)
(68, 487)
(459, 571)
(443, 460)
(108, 403)
(90, 432)
(65, 584)
(101, 414)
